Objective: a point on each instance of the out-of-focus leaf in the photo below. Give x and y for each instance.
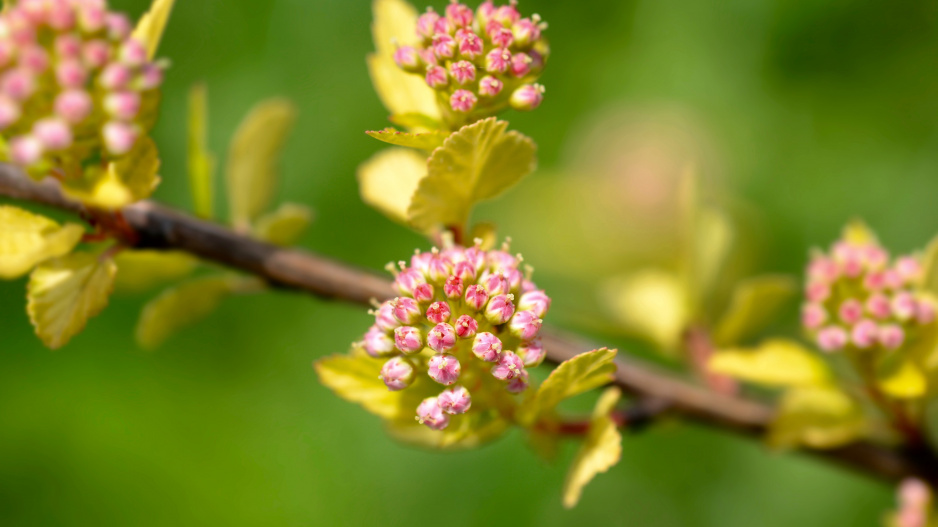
(185, 305)
(285, 225)
(401, 92)
(465, 431)
(929, 280)
(100, 188)
(201, 161)
(423, 141)
(651, 304)
(857, 233)
(28, 239)
(572, 377)
(416, 121)
(254, 156)
(600, 451)
(775, 362)
(64, 293)
(713, 237)
(816, 417)
(477, 162)
(754, 305)
(138, 169)
(388, 180)
(142, 270)
(149, 30)
(897, 375)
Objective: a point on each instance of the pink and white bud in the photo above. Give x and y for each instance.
(118, 26)
(405, 310)
(455, 400)
(438, 312)
(54, 134)
(532, 353)
(9, 112)
(133, 53)
(436, 77)
(459, 14)
(507, 14)
(817, 292)
(443, 26)
(465, 271)
(423, 293)
(35, 59)
(68, 47)
(909, 269)
(484, 12)
(832, 338)
(891, 336)
(526, 31)
(407, 280)
(438, 269)
(71, 74)
(878, 306)
(822, 269)
(397, 373)
(384, 317)
(520, 64)
(925, 311)
(466, 327)
(813, 316)
(122, 105)
(470, 45)
(495, 283)
(874, 281)
(476, 297)
(443, 45)
(500, 309)
(498, 60)
(508, 366)
(115, 77)
(151, 77)
(462, 101)
(463, 71)
(453, 287)
(489, 86)
(536, 301)
(377, 343)
(487, 347)
(903, 305)
(429, 413)
(7, 52)
(73, 106)
(476, 257)
(442, 338)
(96, 54)
(519, 383)
(426, 24)
(524, 325)
(408, 59)
(893, 279)
(444, 369)
(914, 493)
(851, 311)
(25, 150)
(501, 37)
(61, 17)
(527, 97)
(408, 339)
(874, 257)
(864, 334)
(18, 84)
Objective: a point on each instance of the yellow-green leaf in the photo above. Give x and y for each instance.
(401, 92)
(477, 162)
(99, 187)
(254, 156)
(600, 451)
(470, 430)
(929, 280)
(416, 121)
(185, 305)
(388, 180)
(755, 304)
(776, 362)
(572, 377)
(201, 161)
(64, 293)
(713, 233)
(651, 304)
(423, 141)
(355, 378)
(138, 169)
(897, 375)
(28, 239)
(857, 233)
(149, 30)
(142, 270)
(816, 417)
(285, 225)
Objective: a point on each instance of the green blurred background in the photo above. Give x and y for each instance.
(810, 111)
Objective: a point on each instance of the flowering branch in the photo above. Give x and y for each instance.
(657, 393)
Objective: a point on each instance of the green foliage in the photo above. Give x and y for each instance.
(600, 451)
(201, 160)
(816, 417)
(388, 180)
(775, 362)
(755, 304)
(142, 270)
(423, 141)
(28, 239)
(651, 304)
(572, 377)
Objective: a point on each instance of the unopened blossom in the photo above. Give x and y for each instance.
(915, 499)
(527, 97)
(73, 84)
(456, 333)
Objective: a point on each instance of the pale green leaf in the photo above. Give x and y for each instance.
(572, 377)
(713, 238)
(201, 160)
(755, 304)
(149, 30)
(100, 187)
(651, 304)
(254, 156)
(600, 451)
(929, 280)
(816, 417)
(423, 141)
(897, 375)
(28, 239)
(138, 169)
(776, 362)
(416, 122)
(477, 162)
(285, 225)
(64, 293)
(388, 180)
(145, 269)
(185, 305)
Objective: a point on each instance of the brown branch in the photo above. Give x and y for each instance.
(159, 227)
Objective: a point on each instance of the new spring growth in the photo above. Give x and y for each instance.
(466, 318)
(73, 83)
(856, 297)
(481, 61)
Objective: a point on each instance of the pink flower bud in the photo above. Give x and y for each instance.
(421, 261)
(122, 105)
(397, 373)
(485, 11)
(536, 301)
(455, 400)
(7, 51)
(822, 269)
(91, 18)
(9, 112)
(465, 271)
(68, 47)
(879, 306)
(443, 45)
(914, 493)
(813, 316)
(507, 14)
(463, 71)
(18, 84)
(444, 27)
(500, 309)
(462, 101)
(429, 413)
(524, 325)
(527, 97)
(532, 353)
(476, 257)
(71, 74)
(61, 17)
(423, 293)
(408, 339)
(54, 134)
(96, 54)
(25, 150)
(459, 14)
(466, 327)
(864, 334)
(874, 257)
(73, 105)
(405, 310)
(426, 24)
(115, 77)
(119, 137)
(151, 77)
(408, 59)
(384, 317)
(925, 312)
(35, 59)
(489, 86)
(118, 26)
(903, 305)
(526, 31)
(453, 287)
(519, 383)
(470, 45)
(407, 280)
(495, 283)
(486, 347)
(891, 336)
(438, 269)
(874, 281)
(444, 369)
(476, 297)
(520, 64)
(133, 53)
(501, 37)
(508, 367)
(436, 77)
(498, 60)
(442, 338)
(892, 278)
(438, 312)
(909, 269)
(851, 311)
(832, 338)
(377, 343)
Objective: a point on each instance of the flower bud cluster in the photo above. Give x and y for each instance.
(72, 82)
(479, 61)
(915, 500)
(466, 318)
(857, 298)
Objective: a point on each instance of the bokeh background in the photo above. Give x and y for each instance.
(805, 112)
